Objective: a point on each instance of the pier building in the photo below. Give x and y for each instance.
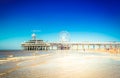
(35, 44)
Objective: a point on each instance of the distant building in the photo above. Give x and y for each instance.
(35, 44)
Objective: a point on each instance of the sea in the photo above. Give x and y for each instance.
(19, 53)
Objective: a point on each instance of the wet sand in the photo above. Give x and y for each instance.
(64, 65)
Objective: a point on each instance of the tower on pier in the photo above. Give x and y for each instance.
(33, 36)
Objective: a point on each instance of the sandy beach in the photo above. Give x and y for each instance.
(62, 65)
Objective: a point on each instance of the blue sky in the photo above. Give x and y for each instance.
(85, 20)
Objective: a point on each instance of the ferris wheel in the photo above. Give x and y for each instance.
(64, 36)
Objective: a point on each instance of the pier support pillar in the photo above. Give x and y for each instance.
(77, 46)
(88, 46)
(83, 47)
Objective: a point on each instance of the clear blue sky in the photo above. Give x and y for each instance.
(90, 20)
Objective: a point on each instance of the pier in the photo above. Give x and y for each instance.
(86, 46)
(65, 44)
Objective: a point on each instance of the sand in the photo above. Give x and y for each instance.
(64, 65)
